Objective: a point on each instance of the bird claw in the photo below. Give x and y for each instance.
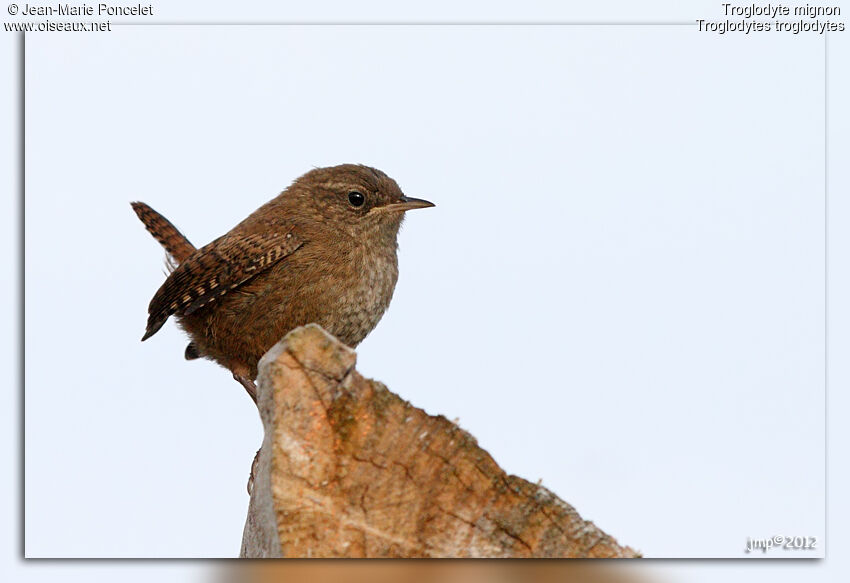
(253, 472)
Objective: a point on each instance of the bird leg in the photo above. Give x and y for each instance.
(248, 384)
(242, 376)
(251, 388)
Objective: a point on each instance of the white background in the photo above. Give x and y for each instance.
(621, 290)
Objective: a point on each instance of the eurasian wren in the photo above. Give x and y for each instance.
(323, 251)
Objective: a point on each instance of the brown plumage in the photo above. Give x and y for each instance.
(176, 245)
(322, 251)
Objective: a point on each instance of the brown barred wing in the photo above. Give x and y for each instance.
(216, 269)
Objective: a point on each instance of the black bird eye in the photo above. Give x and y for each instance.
(356, 198)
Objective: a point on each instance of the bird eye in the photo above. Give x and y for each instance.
(356, 198)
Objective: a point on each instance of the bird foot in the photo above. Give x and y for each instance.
(253, 472)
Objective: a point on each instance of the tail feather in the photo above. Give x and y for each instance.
(192, 352)
(177, 247)
(175, 243)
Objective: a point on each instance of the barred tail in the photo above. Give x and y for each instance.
(175, 243)
(177, 247)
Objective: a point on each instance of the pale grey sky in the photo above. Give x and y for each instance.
(621, 290)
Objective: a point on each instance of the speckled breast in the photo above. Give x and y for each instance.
(361, 307)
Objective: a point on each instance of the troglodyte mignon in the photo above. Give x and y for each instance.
(323, 251)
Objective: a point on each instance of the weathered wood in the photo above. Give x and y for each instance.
(348, 469)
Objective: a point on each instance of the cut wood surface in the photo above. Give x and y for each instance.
(349, 469)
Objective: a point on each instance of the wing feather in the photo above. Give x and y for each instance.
(214, 270)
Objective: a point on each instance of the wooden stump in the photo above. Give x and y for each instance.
(349, 469)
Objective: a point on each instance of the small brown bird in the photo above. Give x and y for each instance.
(323, 251)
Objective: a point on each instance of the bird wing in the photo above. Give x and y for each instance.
(214, 270)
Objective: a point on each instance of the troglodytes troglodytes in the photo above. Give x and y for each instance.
(323, 251)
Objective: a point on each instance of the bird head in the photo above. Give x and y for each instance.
(354, 199)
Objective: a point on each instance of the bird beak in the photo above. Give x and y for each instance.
(405, 203)
(408, 204)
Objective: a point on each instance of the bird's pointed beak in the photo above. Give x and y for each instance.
(408, 204)
(405, 203)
